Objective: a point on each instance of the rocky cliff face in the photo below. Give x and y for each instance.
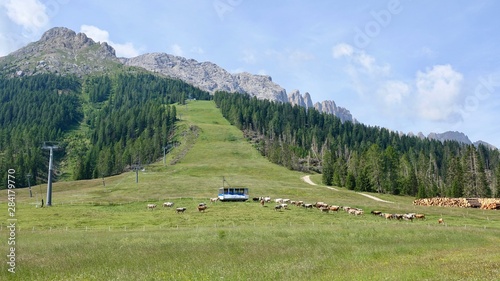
(209, 76)
(60, 50)
(295, 98)
(449, 135)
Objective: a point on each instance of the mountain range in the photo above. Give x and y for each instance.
(61, 50)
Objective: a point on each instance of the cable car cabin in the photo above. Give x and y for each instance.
(233, 194)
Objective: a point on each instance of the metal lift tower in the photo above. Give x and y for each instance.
(49, 180)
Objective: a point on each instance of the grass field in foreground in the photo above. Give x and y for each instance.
(96, 232)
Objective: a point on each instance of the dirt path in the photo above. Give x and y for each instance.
(309, 181)
(375, 198)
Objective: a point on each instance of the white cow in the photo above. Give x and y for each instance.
(168, 204)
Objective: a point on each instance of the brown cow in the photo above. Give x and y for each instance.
(420, 216)
(386, 216)
(440, 221)
(334, 208)
(202, 208)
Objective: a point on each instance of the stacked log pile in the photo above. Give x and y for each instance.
(483, 203)
(490, 203)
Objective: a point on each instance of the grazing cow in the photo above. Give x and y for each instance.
(440, 221)
(262, 201)
(420, 216)
(168, 204)
(214, 199)
(151, 206)
(377, 213)
(256, 199)
(284, 206)
(299, 203)
(324, 209)
(409, 217)
(386, 216)
(356, 212)
(267, 199)
(278, 201)
(202, 208)
(278, 207)
(320, 204)
(308, 206)
(334, 208)
(180, 210)
(397, 216)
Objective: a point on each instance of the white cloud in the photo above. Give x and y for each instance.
(99, 35)
(30, 14)
(359, 60)
(394, 93)
(438, 92)
(433, 96)
(176, 50)
(341, 50)
(95, 33)
(21, 22)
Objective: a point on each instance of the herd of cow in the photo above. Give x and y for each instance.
(201, 207)
(282, 204)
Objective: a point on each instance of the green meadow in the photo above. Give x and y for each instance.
(102, 230)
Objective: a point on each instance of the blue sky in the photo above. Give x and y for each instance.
(410, 66)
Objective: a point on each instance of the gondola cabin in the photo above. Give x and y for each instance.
(233, 194)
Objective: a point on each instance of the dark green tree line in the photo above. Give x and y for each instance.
(361, 157)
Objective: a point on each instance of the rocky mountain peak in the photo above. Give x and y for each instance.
(308, 100)
(450, 135)
(209, 76)
(295, 98)
(329, 106)
(58, 32)
(59, 50)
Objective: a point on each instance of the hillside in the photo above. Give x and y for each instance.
(63, 51)
(95, 231)
(210, 148)
(111, 115)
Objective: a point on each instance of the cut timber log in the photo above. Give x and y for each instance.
(483, 203)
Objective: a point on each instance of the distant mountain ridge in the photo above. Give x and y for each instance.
(453, 136)
(61, 50)
(210, 77)
(450, 135)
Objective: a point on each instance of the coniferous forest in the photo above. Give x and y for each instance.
(360, 157)
(101, 124)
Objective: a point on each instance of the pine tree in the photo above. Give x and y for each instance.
(327, 168)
